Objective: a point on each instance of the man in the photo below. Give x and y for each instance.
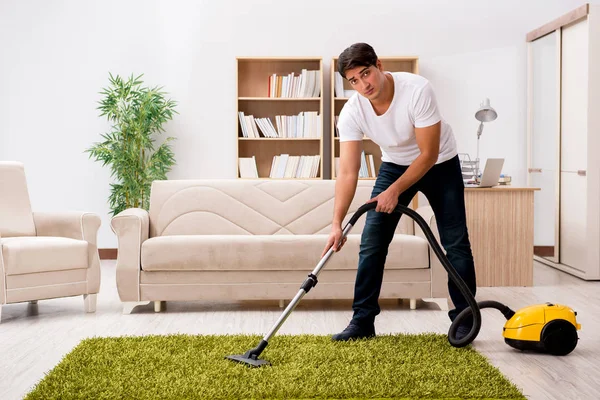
(399, 112)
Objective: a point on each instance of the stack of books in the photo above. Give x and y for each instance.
(287, 166)
(307, 124)
(305, 85)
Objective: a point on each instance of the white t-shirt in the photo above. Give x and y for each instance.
(414, 105)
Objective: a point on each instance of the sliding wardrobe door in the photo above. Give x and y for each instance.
(544, 136)
(574, 146)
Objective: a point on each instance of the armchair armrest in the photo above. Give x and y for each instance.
(132, 227)
(70, 224)
(439, 276)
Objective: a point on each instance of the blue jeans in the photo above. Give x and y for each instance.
(444, 188)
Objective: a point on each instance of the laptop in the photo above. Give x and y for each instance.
(491, 174)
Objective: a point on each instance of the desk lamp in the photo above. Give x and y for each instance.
(485, 114)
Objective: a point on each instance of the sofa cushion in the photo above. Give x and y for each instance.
(25, 255)
(269, 252)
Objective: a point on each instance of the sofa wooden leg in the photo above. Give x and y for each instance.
(33, 302)
(157, 306)
(413, 304)
(128, 306)
(89, 302)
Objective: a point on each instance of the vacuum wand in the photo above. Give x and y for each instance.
(308, 284)
(251, 356)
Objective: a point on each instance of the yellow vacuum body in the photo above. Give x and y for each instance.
(549, 328)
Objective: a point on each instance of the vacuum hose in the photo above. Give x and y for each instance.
(474, 307)
(250, 358)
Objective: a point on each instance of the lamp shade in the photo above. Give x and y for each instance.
(486, 113)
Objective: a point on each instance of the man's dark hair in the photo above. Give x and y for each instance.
(357, 55)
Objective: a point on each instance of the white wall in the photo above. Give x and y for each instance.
(56, 55)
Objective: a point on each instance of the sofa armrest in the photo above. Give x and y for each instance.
(439, 276)
(132, 227)
(74, 225)
(70, 224)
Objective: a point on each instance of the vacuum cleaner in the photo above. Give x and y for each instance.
(547, 328)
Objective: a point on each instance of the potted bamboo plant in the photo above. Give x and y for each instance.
(137, 115)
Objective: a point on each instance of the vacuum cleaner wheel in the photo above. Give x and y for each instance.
(559, 337)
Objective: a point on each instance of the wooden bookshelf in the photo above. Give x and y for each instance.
(255, 98)
(391, 64)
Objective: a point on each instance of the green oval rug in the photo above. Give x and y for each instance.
(399, 366)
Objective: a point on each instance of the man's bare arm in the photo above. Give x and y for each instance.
(346, 180)
(345, 188)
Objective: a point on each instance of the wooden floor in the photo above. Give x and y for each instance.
(34, 338)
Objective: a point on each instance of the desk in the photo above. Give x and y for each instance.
(500, 224)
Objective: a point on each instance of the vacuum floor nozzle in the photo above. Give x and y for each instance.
(249, 361)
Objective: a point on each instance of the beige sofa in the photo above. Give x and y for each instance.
(240, 239)
(44, 255)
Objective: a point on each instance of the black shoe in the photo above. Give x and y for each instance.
(355, 331)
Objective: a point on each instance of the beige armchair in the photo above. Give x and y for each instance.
(44, 255)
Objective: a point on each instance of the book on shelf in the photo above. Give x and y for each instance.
(307, 124)
(247, 167)
(305, 85)
(287, 166)
(339, 85)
